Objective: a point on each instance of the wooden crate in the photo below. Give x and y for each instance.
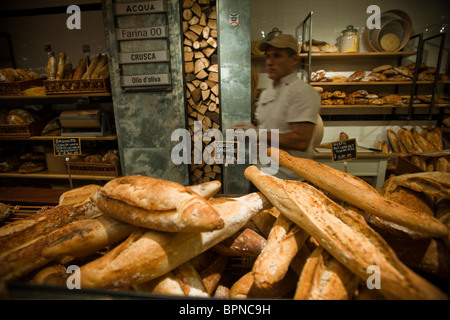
(77, 86)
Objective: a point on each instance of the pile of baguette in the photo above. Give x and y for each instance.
(62, 68)
(9, 75)
(416, 147)
(304, 240)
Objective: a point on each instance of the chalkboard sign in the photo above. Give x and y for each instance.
(344, 150)
(66, 146)
(226, 151)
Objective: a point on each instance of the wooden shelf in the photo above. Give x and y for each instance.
(48, 175)
(338, 55)
(371, 106)
(373, 83)
(48, 138)
(53, 99)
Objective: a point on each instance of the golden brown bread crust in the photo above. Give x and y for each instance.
(357, 192)
(148, 254)
(85, 237)
(344, 234)
(79, 195)
(157, 204)
(283, 244)
(22, 231)
(325, 278)
(435, 183)
(245, 287)
(247, 243)
(54, 275)
(212, 275)
(392, 137)
(407, 139)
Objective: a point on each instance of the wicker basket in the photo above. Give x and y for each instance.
(22, 130)
(93, 168)
(77, 86)
(16, 88)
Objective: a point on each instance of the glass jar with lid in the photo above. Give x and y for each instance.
(349, 40)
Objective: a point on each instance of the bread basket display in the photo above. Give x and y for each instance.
(326, 238)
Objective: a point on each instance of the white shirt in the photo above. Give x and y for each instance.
(293, 100)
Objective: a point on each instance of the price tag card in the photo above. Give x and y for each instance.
(66, 146)
(343, 150)
(226, 151)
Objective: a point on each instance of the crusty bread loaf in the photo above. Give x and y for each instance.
(325, 278)
(246, 243)
(19, 232)
(61, 65)
(81, 68)
(245, 288)
(85, 237)
(157, 204)
(435, 183)
(54, 275)
(407, 139)
(344, 234)
(79, 195)
(212, 275)
(283, 244)
(148, 254)
(357, 192)
(423, 143)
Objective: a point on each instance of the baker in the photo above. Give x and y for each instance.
(289, 104)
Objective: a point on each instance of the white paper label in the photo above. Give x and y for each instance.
(144, 80)
(139, 7)
(143, 57)
(141, 33)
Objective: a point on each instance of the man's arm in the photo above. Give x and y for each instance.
(298, 139)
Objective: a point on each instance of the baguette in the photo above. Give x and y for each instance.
(167, 284)
(423, 143)
(51, 68)
(247, 243)
(85, 237)
(282, 246)
(81, 68)
(245, 287)
(91, 67)
(157, 204)
(78, 196)
(357, 192)
(212, 275)
(435, 183)
(344, 234)
(90, 235)
(407, 139)
(61, 65)
(54, 275)
(325, 278)
(98, 68)
(148, 254)
(22, 231)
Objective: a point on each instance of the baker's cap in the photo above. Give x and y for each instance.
(281, 41)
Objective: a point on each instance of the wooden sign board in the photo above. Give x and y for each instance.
(141, 33)
(132, 8)
(143, 57)
(66, 146)
(145, 80)
(343, 150)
